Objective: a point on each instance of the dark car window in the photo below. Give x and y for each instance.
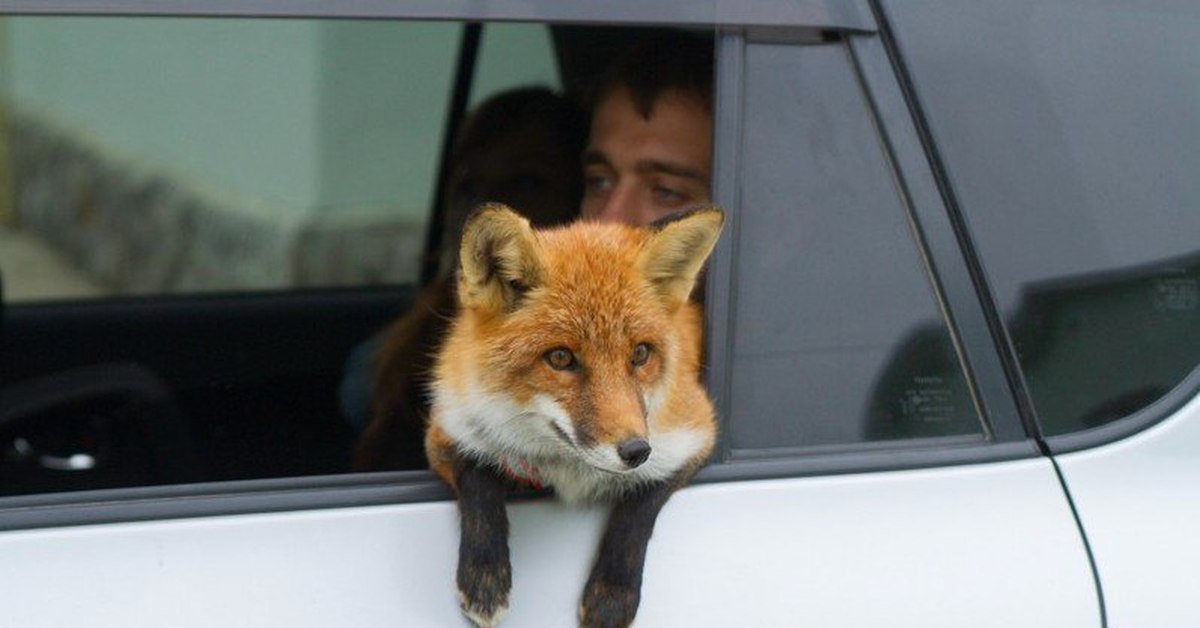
(1072, 146)
(838, 338)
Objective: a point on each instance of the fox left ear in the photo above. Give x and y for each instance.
(677, 250)
(499, 259)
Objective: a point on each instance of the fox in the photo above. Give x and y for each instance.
(573, 364)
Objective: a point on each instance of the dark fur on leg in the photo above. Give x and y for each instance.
(484, 570)
(614, 588)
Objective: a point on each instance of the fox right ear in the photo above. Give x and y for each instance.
(677, 250)
(499, 259)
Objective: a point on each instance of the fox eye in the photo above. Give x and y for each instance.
(641, 354)
(560, 359)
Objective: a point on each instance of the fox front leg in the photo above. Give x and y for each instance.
(484, 570)
(614, 588)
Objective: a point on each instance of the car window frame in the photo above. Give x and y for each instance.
(833, 14)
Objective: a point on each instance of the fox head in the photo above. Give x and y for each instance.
(577, 342)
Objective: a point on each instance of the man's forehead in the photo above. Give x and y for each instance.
(669, 96)
(668, 104)
(678, 133)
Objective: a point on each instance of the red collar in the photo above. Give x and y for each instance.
(522, 472)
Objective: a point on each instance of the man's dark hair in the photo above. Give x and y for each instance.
(661, 62)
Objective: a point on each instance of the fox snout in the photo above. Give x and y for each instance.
(634, 452)
(612, 420)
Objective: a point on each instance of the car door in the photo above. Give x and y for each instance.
(874, 466)
(1068, 143)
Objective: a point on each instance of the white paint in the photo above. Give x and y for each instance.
(1139, 502)
(985, 545)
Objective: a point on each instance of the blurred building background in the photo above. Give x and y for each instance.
(146, 155)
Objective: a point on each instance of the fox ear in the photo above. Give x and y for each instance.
(677, 249)
(498, 259)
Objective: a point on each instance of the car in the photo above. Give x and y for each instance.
(952, 326)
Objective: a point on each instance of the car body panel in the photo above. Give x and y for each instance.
(978, 545)
(1139, 504)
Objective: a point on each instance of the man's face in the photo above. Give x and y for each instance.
(637, 170)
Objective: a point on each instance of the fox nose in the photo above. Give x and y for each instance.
(634, 452)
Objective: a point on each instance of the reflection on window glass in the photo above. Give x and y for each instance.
(167, 155)
(838, 338)
(1076, 166)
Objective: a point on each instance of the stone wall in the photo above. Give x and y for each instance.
(138, 229)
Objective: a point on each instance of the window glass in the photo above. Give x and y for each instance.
(246, 157)
(837, 336)
(1075, 162)
(154, 155)
(500, 45)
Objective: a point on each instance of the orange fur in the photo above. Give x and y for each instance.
(597, 290)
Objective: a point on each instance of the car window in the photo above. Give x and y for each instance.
(1074, 162)
(838, 337)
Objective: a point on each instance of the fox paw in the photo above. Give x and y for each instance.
(483, 593)
(607, 605)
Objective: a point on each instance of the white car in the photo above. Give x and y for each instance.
(953, 325)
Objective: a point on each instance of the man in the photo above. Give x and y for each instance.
(650, 148)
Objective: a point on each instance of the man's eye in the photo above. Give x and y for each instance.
(669, 196)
